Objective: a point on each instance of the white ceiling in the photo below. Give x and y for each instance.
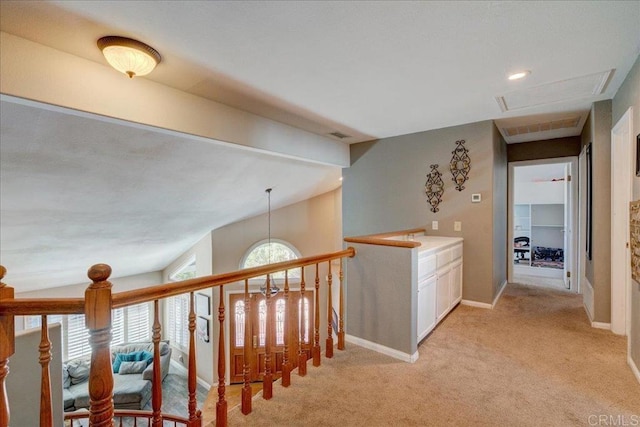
(366, 69)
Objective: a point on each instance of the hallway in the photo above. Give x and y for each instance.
(533, 360)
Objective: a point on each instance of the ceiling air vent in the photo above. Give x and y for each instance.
(339, 135)
(567, 123)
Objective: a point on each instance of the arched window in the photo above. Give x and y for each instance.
(259, 254)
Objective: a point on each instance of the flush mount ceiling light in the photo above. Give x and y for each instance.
(129, 56)
(519, 75)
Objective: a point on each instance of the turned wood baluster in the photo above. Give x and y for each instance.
(329, 344)
(286, 364)
(97, 310)
(7, 348)
(341, 311)
(302, 353)
(221, 405)
(194, 414)
(316, 329)
(267, 382)
(46, 413)
(156, 387)
(246, 372)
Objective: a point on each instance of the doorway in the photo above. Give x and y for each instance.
(542, 214)
(301, 309)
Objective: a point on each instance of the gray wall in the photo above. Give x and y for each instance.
(597, 131)
(500, 215)
(381, 307)
(383, 190)
(629, 96)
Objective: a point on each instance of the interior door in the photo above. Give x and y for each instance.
(257, 332)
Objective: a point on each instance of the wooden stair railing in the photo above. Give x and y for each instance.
(97, 306)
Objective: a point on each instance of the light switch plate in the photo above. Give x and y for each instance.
(434, 225)
(457, 226)
(476, 198)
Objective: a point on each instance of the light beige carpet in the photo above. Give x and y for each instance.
(532, 361)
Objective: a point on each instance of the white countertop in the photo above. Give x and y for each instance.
(432, 243)
(428, 243)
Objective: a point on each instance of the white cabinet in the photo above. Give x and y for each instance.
(439, 286)
(443, 298)
(426, 306)
(456, 282)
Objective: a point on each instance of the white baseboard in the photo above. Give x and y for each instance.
(396, 354)
(601, 325)
(634, 367)
(587, 298)
(488, 306)
(476, 304)
(597, 325)
(178, 367)
(495, 300)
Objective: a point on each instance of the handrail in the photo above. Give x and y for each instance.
(122, 299)
(380, 240)
(28, 306)
(97, 304)
(32, 306)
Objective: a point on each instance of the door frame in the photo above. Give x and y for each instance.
(622, 163)
(570, 260)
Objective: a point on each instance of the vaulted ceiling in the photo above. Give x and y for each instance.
(78, 189)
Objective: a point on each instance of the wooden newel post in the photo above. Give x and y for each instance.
(97, 310)
(7, 348)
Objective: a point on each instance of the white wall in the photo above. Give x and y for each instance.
(539, 192)
(204, 351)
(120, 284)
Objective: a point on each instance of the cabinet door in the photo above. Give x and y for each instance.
(443, 297)
(456, 283)
(426, 306)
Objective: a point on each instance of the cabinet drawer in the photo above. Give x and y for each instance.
(456, 252)
(426, 266)
(444, 257)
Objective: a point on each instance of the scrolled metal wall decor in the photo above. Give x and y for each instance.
(460, 164)
(434, 188)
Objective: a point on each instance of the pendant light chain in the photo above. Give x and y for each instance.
(268, 190)
(273, 289)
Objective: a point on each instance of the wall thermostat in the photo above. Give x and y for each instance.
(476, 198)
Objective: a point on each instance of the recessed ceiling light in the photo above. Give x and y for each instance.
(519, 75)
(341, 178)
